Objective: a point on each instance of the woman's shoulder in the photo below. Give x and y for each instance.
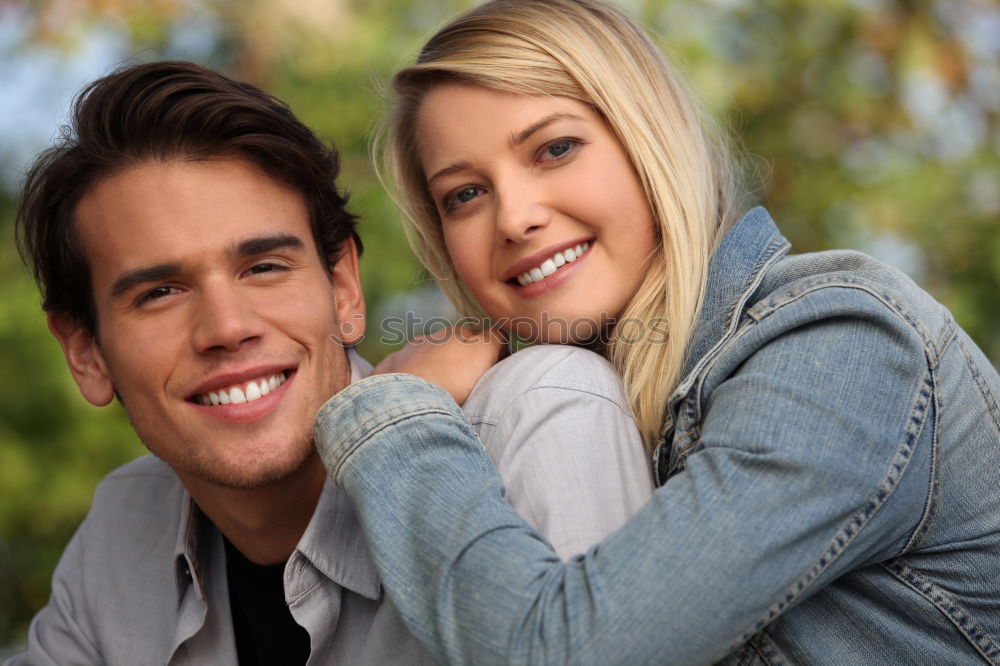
(546, 368)
(834, 282)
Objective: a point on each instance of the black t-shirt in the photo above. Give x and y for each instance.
(266, 633)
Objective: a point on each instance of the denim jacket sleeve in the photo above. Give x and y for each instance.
(805, 465)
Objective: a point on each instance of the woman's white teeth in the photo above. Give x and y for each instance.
(549, 266)
(241, 393)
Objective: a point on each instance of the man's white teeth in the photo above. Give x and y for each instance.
(241, 393)
(550, 266)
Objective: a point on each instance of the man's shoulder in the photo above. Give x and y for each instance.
(139, 493)
(542, 368)
(142, 475)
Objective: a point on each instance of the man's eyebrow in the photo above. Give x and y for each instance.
(159, 272)
(131, 279)
(265, 244)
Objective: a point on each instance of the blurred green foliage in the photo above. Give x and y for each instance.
(873, 125)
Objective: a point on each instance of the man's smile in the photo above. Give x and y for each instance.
(241, 392)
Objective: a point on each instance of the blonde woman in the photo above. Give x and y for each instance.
(825, 438)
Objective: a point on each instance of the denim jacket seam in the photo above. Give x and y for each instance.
(694, 396)
(949, 333)
(973, 631)
(766, 308)
(933, 498)
(685, 449)
(770, 254)
(984, 389)
(352, 442)
(773, 252)
(764, 647)
(860, 519)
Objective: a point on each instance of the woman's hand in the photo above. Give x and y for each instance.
(452, 358)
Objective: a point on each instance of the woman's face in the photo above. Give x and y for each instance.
(542, 212)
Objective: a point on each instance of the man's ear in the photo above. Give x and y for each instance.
(349, 299)
(84, 358)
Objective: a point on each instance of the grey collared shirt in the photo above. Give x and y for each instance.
(143, 581)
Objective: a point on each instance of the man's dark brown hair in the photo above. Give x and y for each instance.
(158, 111)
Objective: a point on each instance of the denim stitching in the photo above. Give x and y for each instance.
(747, 655)
(351, 444)
(933, 501)
(768, 651)
(991, 401)
(764, 309)
(772, 252)
(859, 520)
(945, 603)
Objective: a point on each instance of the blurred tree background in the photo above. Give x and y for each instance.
(872, 124)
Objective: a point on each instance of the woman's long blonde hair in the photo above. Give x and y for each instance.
(590, 52)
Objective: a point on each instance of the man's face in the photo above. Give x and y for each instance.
(209, 290)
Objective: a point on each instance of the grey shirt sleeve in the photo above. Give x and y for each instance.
(555, 422)
(56, 637)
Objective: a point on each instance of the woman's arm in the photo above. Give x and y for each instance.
(800, 477)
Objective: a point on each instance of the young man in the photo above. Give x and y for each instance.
(198, 265)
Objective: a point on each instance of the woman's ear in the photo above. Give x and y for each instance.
(84, 358)
(348, 296)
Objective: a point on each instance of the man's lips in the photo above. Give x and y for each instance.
(239, 388)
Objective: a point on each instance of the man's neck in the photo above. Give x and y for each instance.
(264, 523)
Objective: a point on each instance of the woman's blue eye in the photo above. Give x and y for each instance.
(559, 148)
(461, 196)
(466, 194)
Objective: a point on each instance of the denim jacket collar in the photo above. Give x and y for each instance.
(735, 271)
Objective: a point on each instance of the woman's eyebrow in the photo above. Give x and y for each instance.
(451, 168)
(515, 140)
(525, 134)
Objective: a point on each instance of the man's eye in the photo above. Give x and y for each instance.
(266, 267)
(156, 293)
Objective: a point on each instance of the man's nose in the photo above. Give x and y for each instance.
(521, 212)
(226, 319)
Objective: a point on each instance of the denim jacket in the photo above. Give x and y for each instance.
(830, 492)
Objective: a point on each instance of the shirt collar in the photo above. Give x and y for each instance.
(187, 564)
(735, 271)
(333, 541)
(335, 544)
